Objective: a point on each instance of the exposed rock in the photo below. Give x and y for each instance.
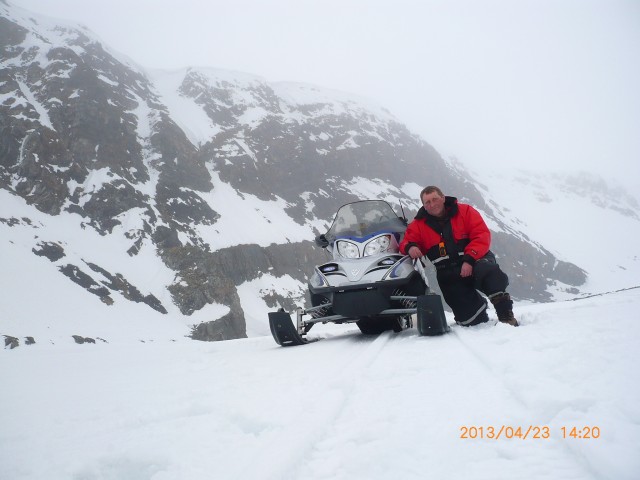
(11, 342)
(87, 282)
(166, 238)
(79, 339)
(53, 251)
(224, 328)
(130, 292)
(106, 204)
(184, 206)
(569, 273)
(13, 221)
(201, 282)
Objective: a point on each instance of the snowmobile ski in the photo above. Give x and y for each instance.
(283, 330)
(431, 318)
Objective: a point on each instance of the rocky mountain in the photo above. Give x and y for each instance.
(218, 180)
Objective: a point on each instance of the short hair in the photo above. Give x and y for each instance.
(431, 189)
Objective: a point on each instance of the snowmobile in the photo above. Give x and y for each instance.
(367, 281)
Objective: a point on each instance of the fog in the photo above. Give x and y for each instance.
(535, 84)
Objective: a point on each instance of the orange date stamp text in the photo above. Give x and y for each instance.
(527, 432)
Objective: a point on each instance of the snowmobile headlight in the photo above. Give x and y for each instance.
(377, 245)
(348, 249)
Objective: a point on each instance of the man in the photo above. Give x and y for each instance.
(456, 239)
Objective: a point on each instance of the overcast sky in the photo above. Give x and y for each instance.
(539, 84)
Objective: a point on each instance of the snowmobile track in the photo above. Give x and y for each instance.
(351, 370)
(580, 459)
(489, 368)
(334, 396)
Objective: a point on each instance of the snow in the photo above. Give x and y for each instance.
(43, 114)
(375, 188)
(586, 226)
(245, 148)
(143, 114)
(245, 219)
(189, 113)
(104, 78)
(93, 183)
(346, 407)
(246, 93)
(333, 101)
(189, 116)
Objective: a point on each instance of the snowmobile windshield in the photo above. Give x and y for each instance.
(365, 219)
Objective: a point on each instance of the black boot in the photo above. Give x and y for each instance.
(504, 308)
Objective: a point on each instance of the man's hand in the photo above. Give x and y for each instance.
(415, 252)
(466, 270)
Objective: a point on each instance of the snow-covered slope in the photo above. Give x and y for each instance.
(580, 217)
(39, 302)
(492, 402)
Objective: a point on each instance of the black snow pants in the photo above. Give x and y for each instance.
(461, 294)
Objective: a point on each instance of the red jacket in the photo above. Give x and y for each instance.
(471, 236)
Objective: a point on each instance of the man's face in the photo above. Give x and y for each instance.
(433, 204)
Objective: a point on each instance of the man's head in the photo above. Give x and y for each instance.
(433, 200)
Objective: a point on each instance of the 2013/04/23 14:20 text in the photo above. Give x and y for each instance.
(530, 432)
